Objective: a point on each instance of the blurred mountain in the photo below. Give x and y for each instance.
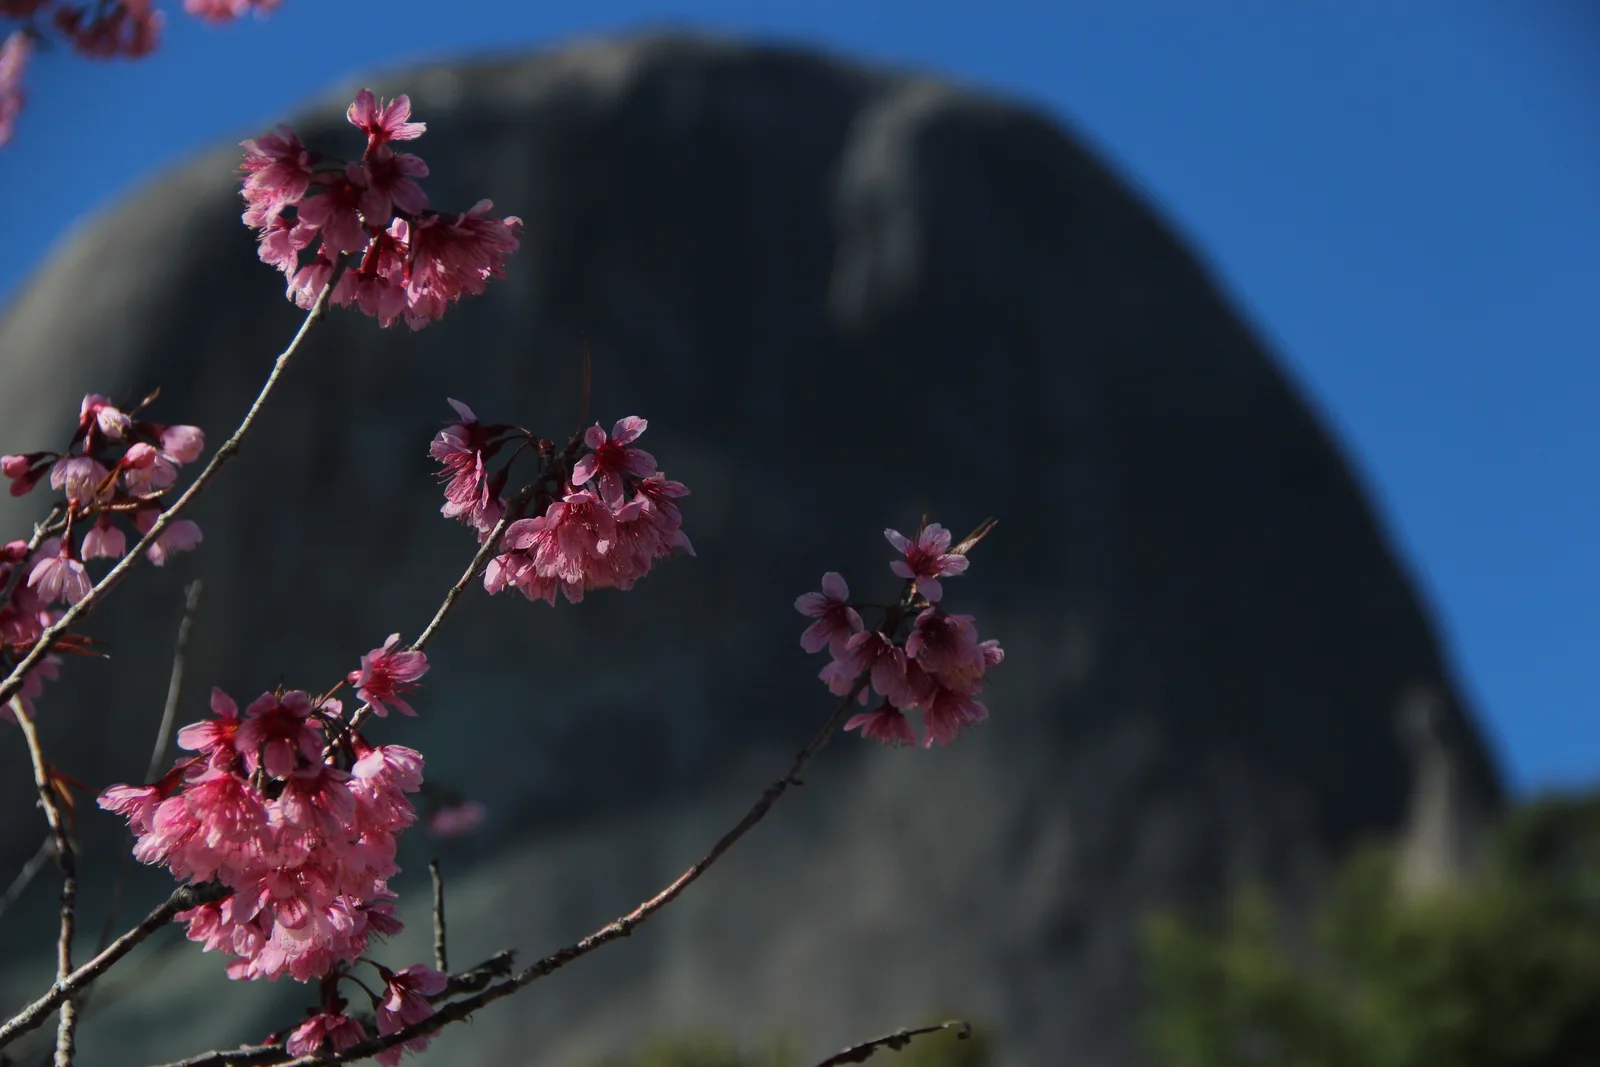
(844, 297)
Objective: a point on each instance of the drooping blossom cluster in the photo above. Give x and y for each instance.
(115, 469)
(920, 658)
(406, 261)
(97, 29)
(603, 515)
(114, 472)
(293, 811)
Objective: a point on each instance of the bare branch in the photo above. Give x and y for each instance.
(50, 798)
(114, 576)
(896, 1041)
(440, 960)
(182, 899)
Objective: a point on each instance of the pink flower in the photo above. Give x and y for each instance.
(611, 457)
(946, 713)
(947, 647)
(836, 621)
(219, 733)
(278, 173)
(456, 820)
(307, 283)
(104, 541)
(326, 1030)
(56, 576)
(875, 652)
(24, 471)
(334, 212)
(887, 724)
(386, 674)
(183, 444)
(387, 175)
(926, 559)
(226, 10)
(14, 56)
(383, 122)
(405, 1002)
(82, 477)
(146, 471)
(99, 412)
(451, 257)
(129, 29)
(180, 536)
(463, 449)
(275, 730)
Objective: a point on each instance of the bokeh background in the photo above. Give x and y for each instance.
(1400, 196)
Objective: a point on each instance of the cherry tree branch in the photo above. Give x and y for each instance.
(114, 576)
(50, 796)
(896, 1041)
(182, 899)
(455, 1011)
(440, 958)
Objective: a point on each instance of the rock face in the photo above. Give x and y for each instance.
(843, 297)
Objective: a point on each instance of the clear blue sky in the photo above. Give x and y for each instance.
(1404, 197)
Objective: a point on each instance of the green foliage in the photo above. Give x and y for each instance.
(1505, 973)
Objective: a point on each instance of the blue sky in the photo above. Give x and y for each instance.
(1404, 198)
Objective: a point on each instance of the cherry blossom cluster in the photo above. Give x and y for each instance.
(103, 29)
(407, 261)
(603, 514)
(404, 1001)
(920, 658)
(292, 809)
(115, 470)
(115, 467)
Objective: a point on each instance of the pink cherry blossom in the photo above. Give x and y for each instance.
(99, 412)
(323, 1031)
(463, 449)
(47, 669)
(104, 541)
(145, 470)
(452, 257)
(218, 733)
(456, 820)
(278, 172)
(385, 674)
(874, 652)
(837, 621)
(180, 536)
(947, 647)
(83, 479)
(926, 559)
(947, 713)
(333, 212)
(404, 1002)
(58, 577)
(610, 457)
(886, 724)
(14, 55)
(24, 471)
(277, 729)
(129, 29)
(387, 178)
(226, 10)
(183, 444)
(383, 122)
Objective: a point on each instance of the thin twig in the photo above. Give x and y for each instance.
(896, 1041)
(470, 981)
(254, 1056)
(480, 560)
(182, 899)
(50, 796)
(158, 751)
(114, 576)
(612, 931)
(440, 960)
(30, 870)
